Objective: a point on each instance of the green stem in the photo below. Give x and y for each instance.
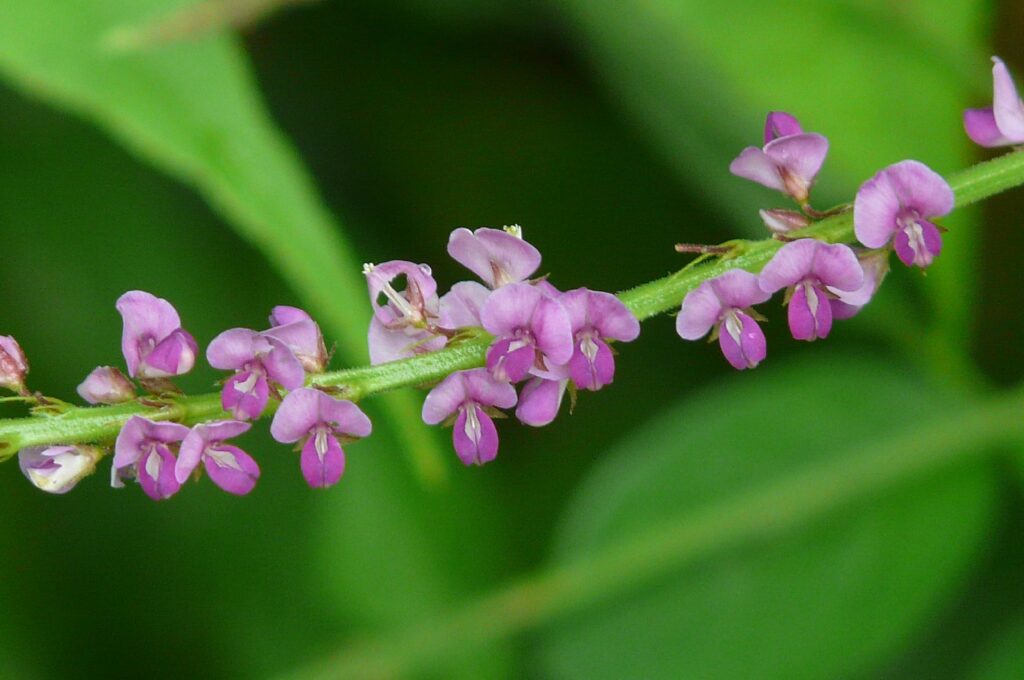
(776, 508)
(85, 425)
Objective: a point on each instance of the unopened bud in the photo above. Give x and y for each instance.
(13, 364)
(106, 385)
(784, 221)
(57, 469)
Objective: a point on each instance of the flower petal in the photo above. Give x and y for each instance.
(174, 355)
(510, 360)
(322, 461)
(106, 385)
(801, 155)
(539, 401)
(282, 366)
(755, 165)
(875, 211)
(231, 468)
(232, 349)
(298, 413)
(485, 390)
(245, 394)
(980, 125)
(552, 331)
(461, 306)
(810, 313)
(837, 266)
(156, 474)
(780, 124)
(592, 365)
(391, 345)
(344, 416)
(699, 312)
(738, 288)
(474, 436)
(920, 188)
(1006, 104)
(282, 315)
(510, 308)
(789, 266)
(918, 244)
(742, 341)
(496, 256)
(444, 399)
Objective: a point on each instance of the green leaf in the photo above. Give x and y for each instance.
(1005, 659)
(883, 81)
(820, 601)
(192, 109)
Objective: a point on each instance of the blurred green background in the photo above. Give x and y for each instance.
(230, 175)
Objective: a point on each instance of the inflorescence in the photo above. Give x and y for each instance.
(544, 341)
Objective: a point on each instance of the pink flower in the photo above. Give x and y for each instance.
(257, 359)
(106, 385)
(144, 451)
(788, 162)
(897, 205)
(319, 420)
(1001, 124)
(230, 468)
(468, 395)
(13, 364)
(723, 304)
(595, 318)
(297, 330)
(809, 269)
(498, 256)
(57, 469)
(532, 331)
(153, 342)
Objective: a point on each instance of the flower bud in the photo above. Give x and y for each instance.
(57, 469)
(106, 385)
(783, 221)
(13, 364)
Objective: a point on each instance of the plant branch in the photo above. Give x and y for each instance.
(100, 425)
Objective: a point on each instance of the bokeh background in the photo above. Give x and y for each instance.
(763, 525)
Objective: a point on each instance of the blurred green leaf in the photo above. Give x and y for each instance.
(884, 81)
(819, 602)
(193, 110)
(1005, 659)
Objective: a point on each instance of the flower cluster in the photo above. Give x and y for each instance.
(542, 342)
(545, 339)
(894, 210)
(162, 455)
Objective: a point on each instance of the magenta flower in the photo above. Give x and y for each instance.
(57, 469)
(498, 256)
(896, 205)
(539, 401)
(1001, 124)
(789, 160)
(808, 269)
(13, 364)
(470, 394)
(257, 359)
(723, 304)
(143, 451)
(230, 468)
(875, 264)
(296, 329)
(403, 294)
(318, 420)
(532, 331)
(153, 342)
(595, 318)
(106, 385)
(461, 306)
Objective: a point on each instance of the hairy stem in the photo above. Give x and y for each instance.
(83, 425)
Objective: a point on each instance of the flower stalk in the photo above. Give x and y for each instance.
(101, 424)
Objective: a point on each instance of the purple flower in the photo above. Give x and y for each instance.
(470, 394)
(318, 420)
(403, 294)
(230, 468)
(499, 257)
(257, 358)
(143, 451)
(153, 342)
(1002, 123)
(106, 385)
(539, 401)
(13, 364)
(57, 469)
(809, 269)
(789, 160)
(875, 264)
(296, 329)
(532, 331)
(596, 317)
(723, 304)
(461, 306)
(896, 205)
